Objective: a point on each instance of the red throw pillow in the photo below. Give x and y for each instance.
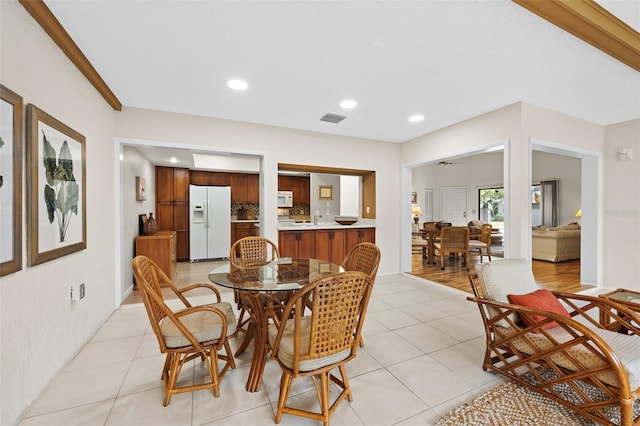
(541, 299)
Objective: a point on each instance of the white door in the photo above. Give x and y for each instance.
(453, 206)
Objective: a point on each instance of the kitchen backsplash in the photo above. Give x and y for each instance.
(252, 209)
(300, 209)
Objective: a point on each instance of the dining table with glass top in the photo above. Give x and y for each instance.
(263, 290)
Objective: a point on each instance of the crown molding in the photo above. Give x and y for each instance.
(43, 16)
(592, 23)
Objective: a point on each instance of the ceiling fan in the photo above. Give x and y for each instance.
(444, 163)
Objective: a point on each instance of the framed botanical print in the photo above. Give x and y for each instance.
(11, 109)
(56, 194)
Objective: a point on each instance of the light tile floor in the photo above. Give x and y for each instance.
(422, 357)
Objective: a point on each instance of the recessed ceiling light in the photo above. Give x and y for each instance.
(348, 104)
(416, 118)
(237, 84)
(173, 160)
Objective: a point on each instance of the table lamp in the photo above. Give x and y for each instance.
(415, 211)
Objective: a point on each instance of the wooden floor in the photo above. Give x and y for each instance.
(561, 276)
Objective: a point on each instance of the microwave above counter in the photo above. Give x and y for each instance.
(285, 198)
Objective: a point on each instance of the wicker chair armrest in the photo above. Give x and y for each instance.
(202, 285)
(619, 317)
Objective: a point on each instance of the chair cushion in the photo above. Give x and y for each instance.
(505, 276)
(203, 325)
(541, 299)
(285, 351)
(626, 347)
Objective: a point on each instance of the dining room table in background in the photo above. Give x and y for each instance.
(264, 289)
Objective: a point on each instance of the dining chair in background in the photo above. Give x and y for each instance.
(483, 243)
(246, 253)
(454, 240)
(185, 334)
(249, 252)
(316, 344)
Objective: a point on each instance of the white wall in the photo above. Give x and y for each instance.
(134, 164)
(622, 207)
(327, 208)
(41, 329)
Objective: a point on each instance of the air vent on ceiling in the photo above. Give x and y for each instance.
(333, 118)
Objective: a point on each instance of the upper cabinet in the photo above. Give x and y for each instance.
(299, 185)
(199, 177)
(245, 189)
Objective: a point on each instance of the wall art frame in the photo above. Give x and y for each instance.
(141, 188)
(325, 192)
(56, 195)
(11, 137)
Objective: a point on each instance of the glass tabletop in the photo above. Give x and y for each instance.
(280, 275)
(624, 295)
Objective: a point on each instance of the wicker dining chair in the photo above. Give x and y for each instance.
(249, 252)
(364, 257)
(186, 334)
(483, 243)
(454, 240)
(314, 345)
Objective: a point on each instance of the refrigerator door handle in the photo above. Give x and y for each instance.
(206, 213)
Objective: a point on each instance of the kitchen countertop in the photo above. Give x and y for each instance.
(244, 221)
(291, 226)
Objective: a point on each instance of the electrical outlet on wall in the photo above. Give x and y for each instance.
(82, 291)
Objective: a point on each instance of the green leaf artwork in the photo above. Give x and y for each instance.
(61, 192)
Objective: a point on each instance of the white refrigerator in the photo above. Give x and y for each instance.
(210, 227)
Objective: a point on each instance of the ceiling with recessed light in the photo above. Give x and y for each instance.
(444, 61)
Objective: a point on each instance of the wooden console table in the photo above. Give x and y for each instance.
(161, 248)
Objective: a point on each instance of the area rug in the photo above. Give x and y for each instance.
(515, 405)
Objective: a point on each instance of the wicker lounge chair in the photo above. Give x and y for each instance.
(579, 352)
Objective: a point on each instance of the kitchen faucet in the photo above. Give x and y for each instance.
(316, 217)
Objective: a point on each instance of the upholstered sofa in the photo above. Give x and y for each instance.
(556, 244)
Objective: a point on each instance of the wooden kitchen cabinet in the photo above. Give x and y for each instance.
(330, 245)
(243, 229)
(245, 188)
(356, 236)
(285, 183)
(161, 248)
(200, 177)
(172, 205)
(301, 190)
(299, 185)
(297, 244)
(253, 189)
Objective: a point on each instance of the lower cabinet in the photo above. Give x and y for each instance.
(331, 245)
(356, 236)
(160, 248)
(297, 244)
(242, 229)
